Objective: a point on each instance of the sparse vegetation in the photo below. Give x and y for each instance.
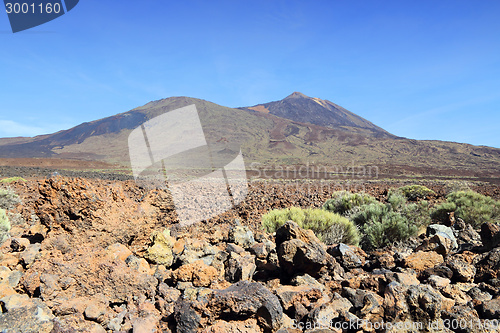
(388, 228)
(441, 213)
(4, 226)
(381, 225)
(397, 220)
(342, 202)
(329, 227)
(415, 192)
(8, 198)
(12, 180)
(474, 208)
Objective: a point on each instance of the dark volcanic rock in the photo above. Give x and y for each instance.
(349, 256)
(187, 318)
(490, 235)
(424, 303)
(489, 267)
(491, 309)
(299, 251)
(248, 299)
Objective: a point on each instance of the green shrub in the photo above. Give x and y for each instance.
(457, 186)
(381, 225)
(397, 201)
(342, 202)
(472, 207)
(274, 219)
(414, 192)
(417, 214)
(442, 211)
(8, 198)
(391, 227)
(329, 227)
(367, 213)
(12, 179)
(4, 226)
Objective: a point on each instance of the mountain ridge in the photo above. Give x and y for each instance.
(302, 108)
(266, 139)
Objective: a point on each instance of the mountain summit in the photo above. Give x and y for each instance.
(297, 130)
(316, 111)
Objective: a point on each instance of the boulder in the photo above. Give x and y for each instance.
(396, 308)
(118, 251)
(348, 256)
(466, 235)
(366, 304)
(420, 261)
(198, 273)
(96, 308)
(30, 254)
(490, 235)
(239, 267)
(298, 296)
(138, 264)
(308, 281)
(186, 316)
(327, 313)
(383, 259)
(221, 326)
(444, 231)
(19, 244)
(160, 252)
(424, 303)
(462, 270)
(489, 266)
(247, 300)
(9, 278)
(166, 299)
(242, 236)
(465, 315)
(455, 293)
(491, 309)
(478, 295)
(188, 251)
(438, 282)
(299, 251)
(260, 250)
(24, 314)
(440, 270)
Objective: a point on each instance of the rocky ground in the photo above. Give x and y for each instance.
(94, 255)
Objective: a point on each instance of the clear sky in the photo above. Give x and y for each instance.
(419, 69)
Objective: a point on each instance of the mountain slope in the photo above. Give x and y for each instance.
(268, 140)
(304, 109)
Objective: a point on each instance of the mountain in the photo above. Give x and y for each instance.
(301, 108)
(296, 131)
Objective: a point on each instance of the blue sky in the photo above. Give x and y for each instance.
(419, 69)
